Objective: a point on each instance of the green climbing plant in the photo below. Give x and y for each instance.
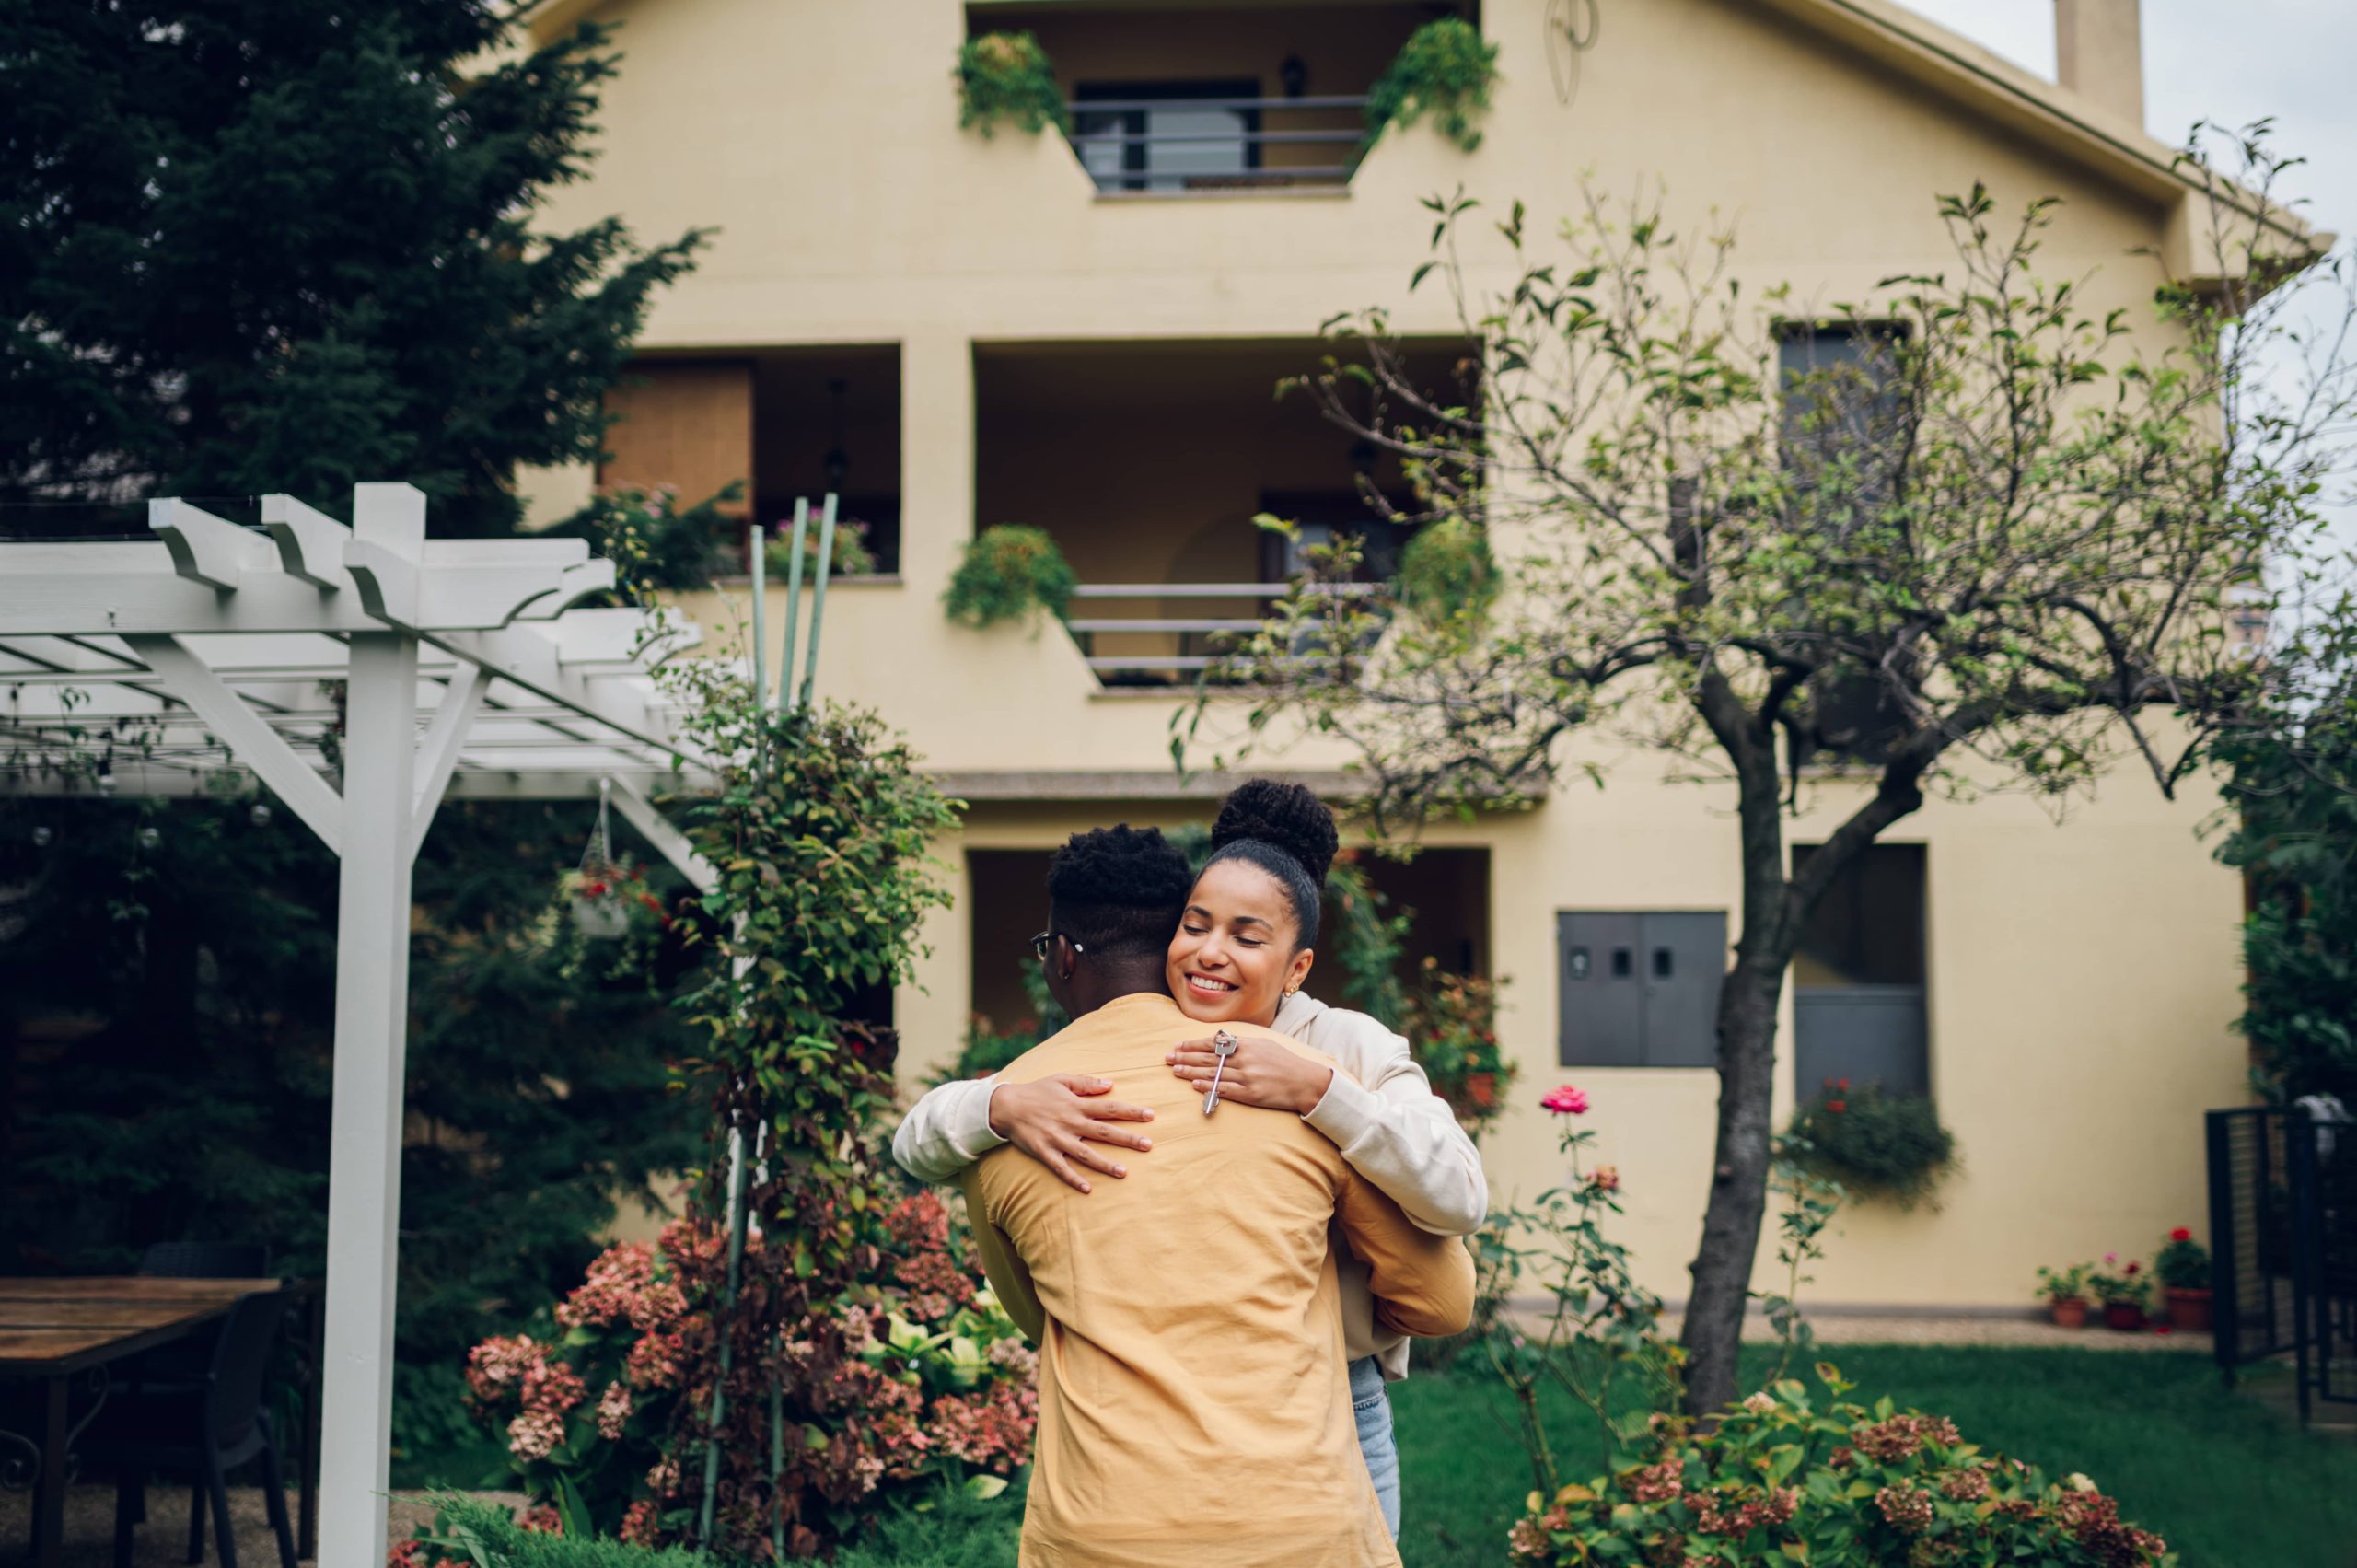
(1444, 70)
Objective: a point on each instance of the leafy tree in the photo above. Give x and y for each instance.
(169, 972)
(273, 245)
(2294, 790)
(1985, 541)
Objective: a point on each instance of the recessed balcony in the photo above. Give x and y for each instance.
(1177, 99)
(1147, 462)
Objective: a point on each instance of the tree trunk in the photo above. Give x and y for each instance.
(1722, 1266)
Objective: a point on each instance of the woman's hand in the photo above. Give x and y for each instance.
(1262, 1072)
(1055, 1119)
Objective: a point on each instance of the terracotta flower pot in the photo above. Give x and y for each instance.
(1481, 1089)
(2188, 1310)
(2068, 1313)
(2124, 1316)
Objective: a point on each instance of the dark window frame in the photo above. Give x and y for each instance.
(1135, 173)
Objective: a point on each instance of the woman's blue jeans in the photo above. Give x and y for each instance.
(1372, 1408)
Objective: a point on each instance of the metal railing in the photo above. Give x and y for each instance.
(1182, 144)
(1184, 644)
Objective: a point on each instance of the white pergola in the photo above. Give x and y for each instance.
(439, 666)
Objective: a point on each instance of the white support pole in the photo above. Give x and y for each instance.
(364, 1159)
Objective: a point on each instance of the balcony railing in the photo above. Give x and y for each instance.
(1182, 644)
(1211, 143)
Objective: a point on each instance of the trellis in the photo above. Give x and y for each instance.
(362, 673)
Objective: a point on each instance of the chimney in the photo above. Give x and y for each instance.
(2099, 54)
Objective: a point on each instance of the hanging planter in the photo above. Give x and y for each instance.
(607, 895)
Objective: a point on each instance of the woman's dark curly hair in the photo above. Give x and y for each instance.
(1288, 832)
(1289, 816)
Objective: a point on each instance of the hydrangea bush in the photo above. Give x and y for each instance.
(934, 1383)
(1785, 1479)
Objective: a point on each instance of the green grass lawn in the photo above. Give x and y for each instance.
(2227, 1481)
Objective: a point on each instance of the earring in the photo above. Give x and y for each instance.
(1293, 991)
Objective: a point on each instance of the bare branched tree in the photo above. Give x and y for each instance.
(1964, 534)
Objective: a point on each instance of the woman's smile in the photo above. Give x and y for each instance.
(1208, 985)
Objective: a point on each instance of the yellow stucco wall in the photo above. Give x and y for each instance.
(2082, 978)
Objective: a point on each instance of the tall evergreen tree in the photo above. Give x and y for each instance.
(287, 245)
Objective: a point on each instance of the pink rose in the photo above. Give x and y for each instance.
(1566, 1101)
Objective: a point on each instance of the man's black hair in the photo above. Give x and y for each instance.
(1119, 891)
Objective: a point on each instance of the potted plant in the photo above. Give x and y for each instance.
(607, 898)
(1008, 572)
(2184, 1268)
(1005, 78)
(1452, 1027)
(1446, 69)
(1877, 1145)
(2066, 1295)
(2123, 1293)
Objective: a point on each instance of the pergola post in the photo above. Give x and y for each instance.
(371, 1033)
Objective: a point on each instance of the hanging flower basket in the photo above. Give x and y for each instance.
(606, 900)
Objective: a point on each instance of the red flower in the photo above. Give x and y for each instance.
(1841, 1084)
(2132, 1267)
(2180, 1234)
(1837, 1104)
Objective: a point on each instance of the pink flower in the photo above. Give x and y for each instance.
(614, 1410)
(2111, 1257)
(1607, 1178)
(1566, 1101)
(532, 1434)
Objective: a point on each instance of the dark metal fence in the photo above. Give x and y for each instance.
(2283, 1244)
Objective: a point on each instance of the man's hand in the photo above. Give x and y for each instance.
(1054, 1120)
(1262, 1072)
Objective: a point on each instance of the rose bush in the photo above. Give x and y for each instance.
(934, 1382)
(1784, 1480)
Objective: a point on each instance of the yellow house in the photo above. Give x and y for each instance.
(954, 331)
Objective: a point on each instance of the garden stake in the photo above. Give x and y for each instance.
(777, 1464)
(758, 554)
(728, 1315)
(818, 597)
(793, 604)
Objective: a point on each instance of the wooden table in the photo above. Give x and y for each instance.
(60, 1331)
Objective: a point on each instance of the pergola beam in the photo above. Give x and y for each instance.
(247, 736)
(437, 754)
(668, 841)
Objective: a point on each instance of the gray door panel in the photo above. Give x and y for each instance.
(1684, 957)
(1600, 978)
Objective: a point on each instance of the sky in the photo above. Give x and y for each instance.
(2229, 62)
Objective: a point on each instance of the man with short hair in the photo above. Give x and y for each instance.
(1194, 1398)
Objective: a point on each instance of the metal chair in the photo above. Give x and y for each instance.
(179, 1369)
(206, 1435)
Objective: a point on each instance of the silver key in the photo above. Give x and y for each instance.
(1223, 1047)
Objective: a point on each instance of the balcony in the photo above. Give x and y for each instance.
(1171, 100)
(1146, 464)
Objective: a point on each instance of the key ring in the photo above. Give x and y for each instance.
(1223, 1047)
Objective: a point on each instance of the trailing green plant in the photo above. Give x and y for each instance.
(1600, 1325)
(1791, 1477)
(1445, 69)
(1009, 571)
(1364, 937)
(1005, 78)
(1876, 1144)
(1446, 573)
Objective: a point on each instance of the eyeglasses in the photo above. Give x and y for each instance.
(1040, 944)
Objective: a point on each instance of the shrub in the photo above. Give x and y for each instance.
(933, 1380)
(1007, 572)
(1445, 69)
(852, 556)
(1007, 76)
(1875, 1145)
(955, 1530)
(1780, 1481)
(1446, 573)
(657, 545)
(471, 1533)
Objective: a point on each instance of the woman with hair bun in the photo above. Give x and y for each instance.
(1243, 950)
